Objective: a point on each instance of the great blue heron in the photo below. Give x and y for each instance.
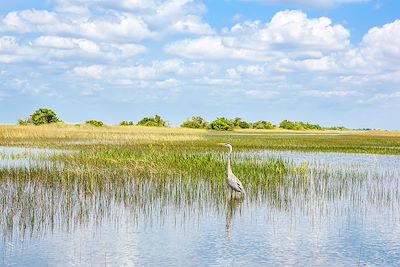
(233, 181)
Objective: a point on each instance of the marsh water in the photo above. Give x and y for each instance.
(344, 210)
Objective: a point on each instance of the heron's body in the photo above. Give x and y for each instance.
(233, 182)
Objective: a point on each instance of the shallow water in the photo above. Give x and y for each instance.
(346, 213)
(17, 157)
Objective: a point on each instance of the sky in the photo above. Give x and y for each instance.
(331, 62)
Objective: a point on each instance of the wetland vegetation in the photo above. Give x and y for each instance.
(75, 176)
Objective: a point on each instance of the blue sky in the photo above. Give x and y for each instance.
(332, 62)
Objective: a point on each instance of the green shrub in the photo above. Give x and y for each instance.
(155, 121)
(95, 123)
(285, 124)
(263, 125)
(221, 124)
(239, 123)
(43, 116)
(126, 123)
(23, 122)
(196, 123)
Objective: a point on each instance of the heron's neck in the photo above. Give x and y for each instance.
(229, 163)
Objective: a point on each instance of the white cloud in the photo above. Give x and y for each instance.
(8, 43)
(67, 43)
(381, 44)
(260, 94)
(50, 48)
(289, 33)
(94, 71)
(376, 58)
(11, 51)
(328, 94)
(312, 3)
(191, 24)
(110, 21)
(209, 47)
(308, 65)
(158, 72)
(380, 97)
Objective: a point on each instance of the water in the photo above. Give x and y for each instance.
(15, 157)
(345, 213)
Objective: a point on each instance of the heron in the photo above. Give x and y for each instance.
(233, 182)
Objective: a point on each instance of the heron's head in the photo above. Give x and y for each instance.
(229, 146)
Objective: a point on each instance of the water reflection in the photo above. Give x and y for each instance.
(234, 207)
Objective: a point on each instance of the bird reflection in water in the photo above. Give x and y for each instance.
(234, 207)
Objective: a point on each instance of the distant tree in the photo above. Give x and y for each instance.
(221, 124)
(263, 125)
(43, 116)
(195, 122)
(239, 123)
(126, 123)
(337, 128)
(155, 121)
(289, 125)
(95, 123)
(285, 124)
(309, 126)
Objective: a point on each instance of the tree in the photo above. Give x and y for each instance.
(263, 125)
(43, 116)
(95, 123)
(196, 122)
(221, 124)
(126, 123)
(155, 121)
(239, 123)
(285, 124)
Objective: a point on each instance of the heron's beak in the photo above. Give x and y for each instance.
(221, 144)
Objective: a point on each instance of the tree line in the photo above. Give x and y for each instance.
(47, 116)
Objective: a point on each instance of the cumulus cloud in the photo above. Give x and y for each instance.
(375, 59)
(49, 48)
(380, 44)
(114, 26)
(289, 32)
(117, 43)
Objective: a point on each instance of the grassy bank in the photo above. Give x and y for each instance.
(179, 139)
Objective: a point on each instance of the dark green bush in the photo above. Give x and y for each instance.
(221, 124)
